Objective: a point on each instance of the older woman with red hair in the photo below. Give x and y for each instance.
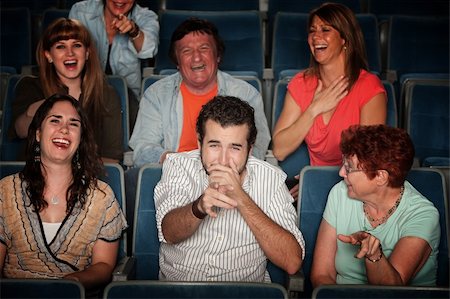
(376, 228)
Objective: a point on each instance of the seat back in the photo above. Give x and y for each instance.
(392, 115)
(41, 288)
(51, 14)
(10, 167)
(217, 5)
(377, 292)
(149, 80)
(427, 117)
(411, 47)
(15, 37)
(145, 235)
(165, 289)
(315, 184)
(290, 48)
(383, 8)
(238, 29)
(431, 184)
(300, 157)
(120, 85)
(9, 148)
(114, 177)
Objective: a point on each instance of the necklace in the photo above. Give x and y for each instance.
(389, 212)
(54, 200)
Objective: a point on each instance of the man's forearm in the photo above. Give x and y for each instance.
(179, 224)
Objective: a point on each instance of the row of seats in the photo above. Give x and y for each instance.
(24, 288)
(142, 263)
(378, 7)
(425, 114)
(409, 46)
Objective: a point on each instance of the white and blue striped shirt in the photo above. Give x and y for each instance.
(222, 248)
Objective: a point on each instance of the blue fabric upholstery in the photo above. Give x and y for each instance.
(10, 167)
(209, 5)
(290, 48)
(300, 158)
(315, 184)
(418, 45)
(120, 85)
(436, 161)
(383, 8)
(369, 27)
(41, 288)
(164, 289)
(145, 235)
(149, 80)
(36, 7)
(114, 176)
(241, 32)
(427, 118)
(381, 292)
(392, 116)
(10, 148)
(431, 183)
(15, 37)
(51, 14)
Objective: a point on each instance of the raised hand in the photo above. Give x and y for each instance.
(369, 244)
(122, 24)
(326, 99)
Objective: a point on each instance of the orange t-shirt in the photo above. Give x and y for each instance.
(192, 104)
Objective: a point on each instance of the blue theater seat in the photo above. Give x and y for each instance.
(41, 288)
(427, 117)
(377, 292)
(165, 289)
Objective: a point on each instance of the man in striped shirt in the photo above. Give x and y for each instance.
(221, 213)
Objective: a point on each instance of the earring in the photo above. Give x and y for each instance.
(37, 153)
(76, 160)
(50, 60)
(345, 48)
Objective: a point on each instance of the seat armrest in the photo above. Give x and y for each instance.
(296, 282)
(125, 269)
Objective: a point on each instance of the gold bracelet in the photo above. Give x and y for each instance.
(196, 211)
(378, 258)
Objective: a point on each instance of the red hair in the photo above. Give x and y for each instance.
(380, 147)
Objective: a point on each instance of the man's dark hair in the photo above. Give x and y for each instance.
(194, 24)
(228, 111)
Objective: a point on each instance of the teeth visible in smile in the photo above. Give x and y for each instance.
(320, 46)
(197, 68)
(70, 62)
(61, 140)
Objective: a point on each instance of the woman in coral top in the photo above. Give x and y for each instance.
(336, 91)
